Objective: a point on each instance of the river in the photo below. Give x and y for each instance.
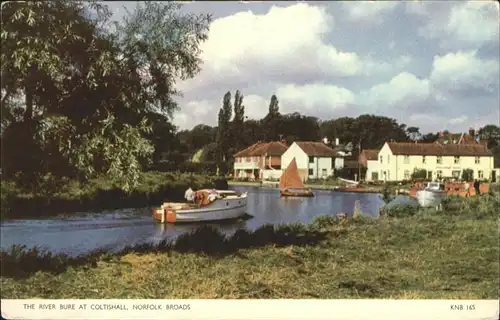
(78, 233)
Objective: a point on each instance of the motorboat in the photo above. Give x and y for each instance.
(431, 195)
(203, 205)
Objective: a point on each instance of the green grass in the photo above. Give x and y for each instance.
(407, 254)
(97, 194)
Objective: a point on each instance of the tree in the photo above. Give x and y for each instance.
(223, 132)
(413, 133)
(89, 93)
(490, 133)
(238, 121)
(271, 122)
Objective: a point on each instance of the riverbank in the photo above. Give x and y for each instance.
(98, 194)
(326, 185)
(408, 253)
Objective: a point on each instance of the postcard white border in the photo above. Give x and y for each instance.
(255, 309)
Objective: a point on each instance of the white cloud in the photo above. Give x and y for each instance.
(277, 40)
(308, 97)
(371, 11)
(458, 120)
(404, 89)
(469, 23)
(464, 70)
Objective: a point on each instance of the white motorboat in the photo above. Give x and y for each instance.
(222, 205)
(431, 195)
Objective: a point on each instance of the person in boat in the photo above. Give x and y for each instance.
(477, 184)
(200, 198)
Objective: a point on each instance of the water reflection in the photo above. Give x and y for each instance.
(80, 233)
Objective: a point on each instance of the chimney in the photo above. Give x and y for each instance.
(471, 132)
(283, 141)
(325, 140)
(337, 142)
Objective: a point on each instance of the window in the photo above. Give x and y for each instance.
(429, 174)
(388, 159)
(407, 175)
(439, 174)
(423, 159)
(439, 159)
(455, 174)
(477, 160)
(381, 159)
(323, 172)
(456, 160)
(480, 174)
(311, 172)
(311, 159)
(333, 163)
(406, 159)
(374, 176)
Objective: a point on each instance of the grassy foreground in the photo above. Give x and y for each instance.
(98, 194)
(407, 253)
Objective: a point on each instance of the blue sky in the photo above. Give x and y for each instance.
(434, 65)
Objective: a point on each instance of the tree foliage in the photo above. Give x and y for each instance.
(82, 100)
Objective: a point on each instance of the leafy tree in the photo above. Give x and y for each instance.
(89, 94)
(223, 131)
(430, 137)
(413, 133)
(491, 133)
(238, 122)
(271, 122)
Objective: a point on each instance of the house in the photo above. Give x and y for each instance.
(398, 160)
(369, 160)
(460, 138)
(260, 161)
(314, 159)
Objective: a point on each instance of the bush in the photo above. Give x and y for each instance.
(400, 211)
(419, 174)
(186, 167)
(467, 175)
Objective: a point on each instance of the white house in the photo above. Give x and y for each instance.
(398, 160)
(314, 159)
(369, 159)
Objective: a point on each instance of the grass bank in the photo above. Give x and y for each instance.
(407, 253)
(97, 194)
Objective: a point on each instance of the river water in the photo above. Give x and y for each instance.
(78, 233)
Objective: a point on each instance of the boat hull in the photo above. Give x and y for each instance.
(355, 190)
(306, 193)
(221, 209)
(430, 198)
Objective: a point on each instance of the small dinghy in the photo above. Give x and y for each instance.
(291, 184)
(203, 205)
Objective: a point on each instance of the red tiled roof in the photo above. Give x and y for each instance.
(273, 148)
(371, 154)
(435, 149)
(246, 152)
(316, 149)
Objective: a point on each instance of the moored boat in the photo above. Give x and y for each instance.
(355, 190)
(206, 205)
(431, 195)
(291, 184)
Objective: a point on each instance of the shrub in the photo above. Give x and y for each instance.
(467, 175)
(419, 174)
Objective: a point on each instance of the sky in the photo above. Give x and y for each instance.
(434, 65)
